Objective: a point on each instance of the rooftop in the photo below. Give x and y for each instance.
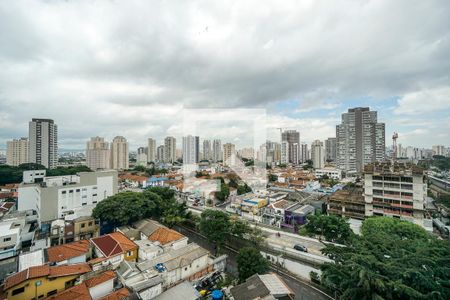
(397, 168)
(67, 251)
(165, 235)
(113, 244)
(183, 291)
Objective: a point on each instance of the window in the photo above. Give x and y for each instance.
(52, 293)
(185, 269)
(7, 239)
(94, 202)
(129, 253)
(78, 190)
(71, 192)
(63, 192)
(18, 291)
(93, 195)
(90, 223)
(83, 204)
(83, 225)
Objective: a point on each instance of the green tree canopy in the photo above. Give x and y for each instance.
(223, 194)
(332, 228)
(250, 262)
(392, 259)
(243, 189)
(215, 225)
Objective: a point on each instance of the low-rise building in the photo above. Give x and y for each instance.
(112, 249)
(347, 203)
(71, 253)
(57, 196)
(267, 286)
(42, 281)
(332, 173)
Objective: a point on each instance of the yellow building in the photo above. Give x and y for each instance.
(40, 282)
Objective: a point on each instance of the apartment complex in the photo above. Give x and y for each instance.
(360, 139)
(160, 153)
(170, 147)
(229, 154)
(17, 152)
(97, 154)
(191, 149)
(439, 150)
(151, 150)
(290, 147)
(318, 154)
(304, 153)
(59, 196)
(398, 190)
(217, 150)
(43, 142)
(119, 153)
(347, 203)
(207, 150)
(330, 149)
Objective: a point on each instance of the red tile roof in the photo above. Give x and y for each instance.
(165, 235)
(99, 279)
(113, 244)
(45, 270)
(121, 294)
(79, 292)
(67, 251)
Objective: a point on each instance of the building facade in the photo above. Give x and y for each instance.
(97, 154)
(207, 150)
(291, 140)
(229, 154)
(160, 153)
(318, 154)
(151, 150)
(190, 150)
(330, 149)
(170, 147)
(217, 150)
(360, 139)
(17, 152)
(43, 142)
(119, 154)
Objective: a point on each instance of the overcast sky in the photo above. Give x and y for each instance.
(129, 68)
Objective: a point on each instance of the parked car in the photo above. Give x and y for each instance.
(301, 248)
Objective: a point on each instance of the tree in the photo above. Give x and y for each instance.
(392, 259)
(215, 225)
(332, 228)
(139, 168)
(243, 189)
(273, 177)
(250, 262)
(223, 194)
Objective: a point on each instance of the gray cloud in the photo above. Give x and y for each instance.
(109, 68)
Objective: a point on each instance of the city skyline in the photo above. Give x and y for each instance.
(116, 77)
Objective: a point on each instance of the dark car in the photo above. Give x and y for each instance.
(300, 248)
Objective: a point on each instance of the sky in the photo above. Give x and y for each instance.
(130, 68)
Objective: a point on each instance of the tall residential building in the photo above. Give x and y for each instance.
(330, 149)
(318, 154)
(17, 152)
(160, 153)
(141, 158)
(304, 153)
(97, 154)
(397, 190)
(217, 150)
(439, 150)
(170, 146)
(190, 150)
(151, 150)
(292, 146)
(248, 153)
(119, 154)
(43, 141)
(229, 154)
(360, 139)
(207, 150)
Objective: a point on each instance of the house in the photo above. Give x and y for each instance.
(146, 227)
(267, 286)
(42, 281)
(167, 237)
(99, 286)
(112, 249)
(15, 231)
(71, 253)
(156, 181)
(69, 230)
(85, 227)
(145, 284)
(132, 180)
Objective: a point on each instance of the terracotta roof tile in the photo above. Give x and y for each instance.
(79, 292)
(67, 251)
(45, 270)
(165, 235)
(113, 244)
(103, 277)
(121, 294)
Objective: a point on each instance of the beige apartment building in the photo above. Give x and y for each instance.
(97, 154)
(119, 153)
(17, 152)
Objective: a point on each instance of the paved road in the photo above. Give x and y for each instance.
(302, 290)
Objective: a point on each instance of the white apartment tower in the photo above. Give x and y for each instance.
(439, 150)
(330, 149)
(229, 154)
(217, 150)
(291, 138)
(151, 150)
(360, 139)
(207, 150)
(97, 154)
(141, 158)
(190, 150)
(43, 142)
(170, 146)
(160, 153)
(119, 153)
(304, 153)
(318, 154)
(17, 152)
